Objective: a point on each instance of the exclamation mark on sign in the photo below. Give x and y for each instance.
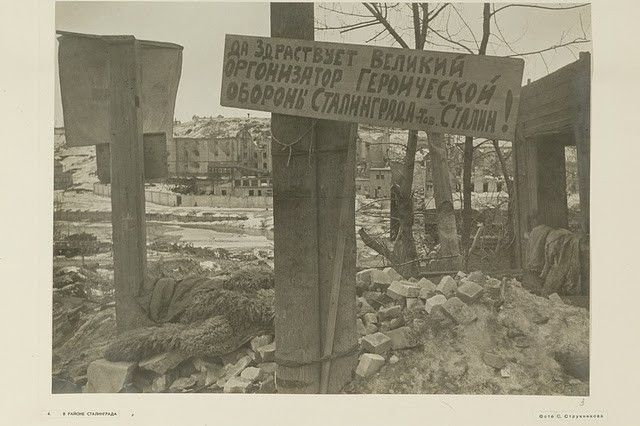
(507, 110)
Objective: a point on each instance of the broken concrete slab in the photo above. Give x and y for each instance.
(250, 373)
(215, 373)
(237, 385)
(469, 291)
(371, 328)
(376, 343)
(386, 313)
(363, 280)
(434, 301)
(110, 377)
(458, 311)
(362, 331)
(427, 288)
(391, 324)
(260, 341)
(369, 364)
(399, 289)
(267, 353)
(365, 307)
(380, 280)
(447, 286)
(161, 383)
(162, 363)
(183, 384)
(477, 277)
(402, 338)
(238, 367)
(370, 318)
(393, 274)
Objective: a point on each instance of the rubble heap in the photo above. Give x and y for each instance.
(467, 334)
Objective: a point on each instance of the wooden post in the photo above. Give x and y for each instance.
(127, 182)
(447, 232)
(582, 135)
(308, 186)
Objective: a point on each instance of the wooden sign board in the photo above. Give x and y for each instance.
(84, 84)
(421, 90)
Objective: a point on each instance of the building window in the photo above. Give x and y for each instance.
(245, 183)
(237, 182)
(485, 187)
(224, 192)
(473, 187)
(259, 192)
(264, 165)
(264, 155)
(255, 155)
(499, 187)
(251, 192)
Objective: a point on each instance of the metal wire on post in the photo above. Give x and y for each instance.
(299, 139)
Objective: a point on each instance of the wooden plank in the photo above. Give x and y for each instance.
(127, 183)
(564, 74)
(342, 283)
(295, 239)
(549, 125)
(582, 134)
(556, 103)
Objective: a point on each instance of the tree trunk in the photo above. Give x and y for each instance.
(467, 213)
(447, 232)
(404, 247)
(508, 235)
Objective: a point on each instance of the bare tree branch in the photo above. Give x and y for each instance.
(576, 41)
(383, 20)
(416, 25)
(437, 12)
(535, 6)
(451, 41)
(468, 27)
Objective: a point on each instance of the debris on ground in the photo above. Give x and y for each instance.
(468, 334)
(475, 335)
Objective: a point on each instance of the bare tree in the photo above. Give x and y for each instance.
(439, 33)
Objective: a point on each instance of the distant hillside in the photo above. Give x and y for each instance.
(204, 127)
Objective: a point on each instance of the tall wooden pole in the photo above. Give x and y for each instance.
(308, 193)
(447, 233)
(127, 181)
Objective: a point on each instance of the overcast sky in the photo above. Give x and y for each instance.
(200, 27)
